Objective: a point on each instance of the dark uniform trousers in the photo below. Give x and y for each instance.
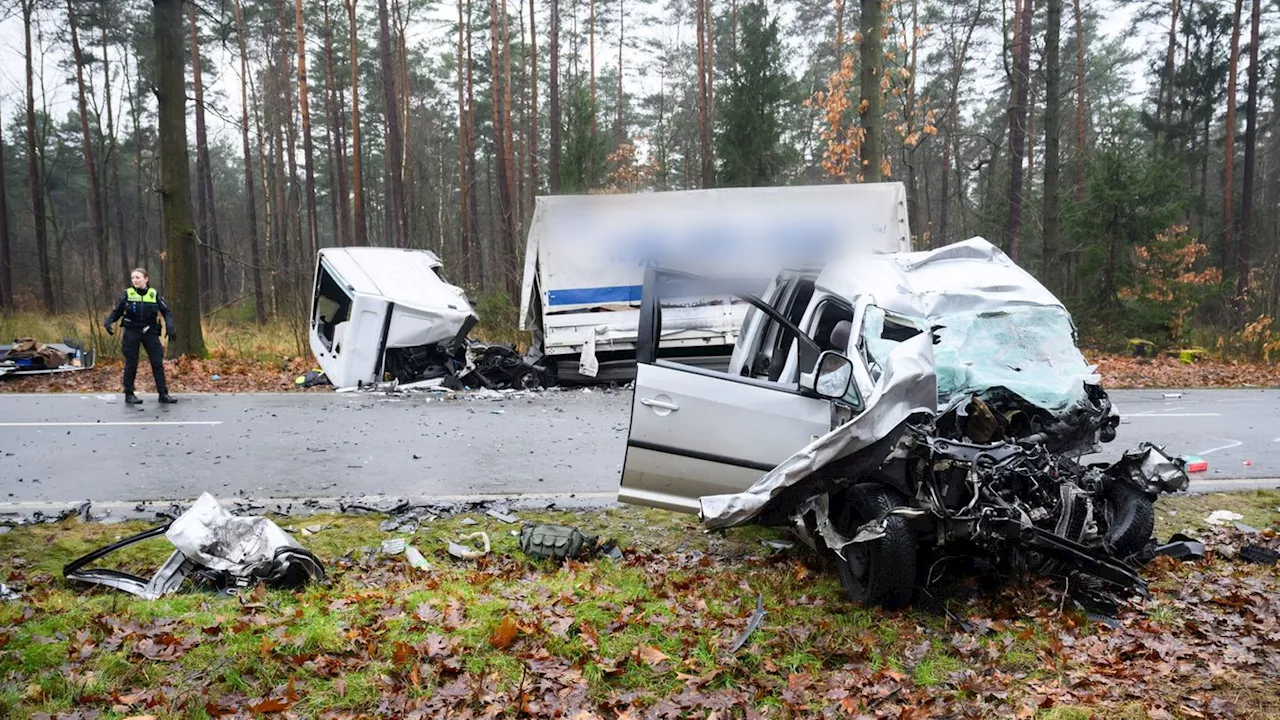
(155, 353)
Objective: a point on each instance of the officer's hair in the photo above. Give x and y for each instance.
(144, 272)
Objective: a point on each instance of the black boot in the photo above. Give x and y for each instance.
(131, 399)
(168, 399)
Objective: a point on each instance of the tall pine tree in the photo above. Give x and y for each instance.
(748, 141)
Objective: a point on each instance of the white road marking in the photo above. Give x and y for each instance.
(1152, 414)
(107, 424)
(1234, 443)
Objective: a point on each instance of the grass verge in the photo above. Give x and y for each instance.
(507, 636)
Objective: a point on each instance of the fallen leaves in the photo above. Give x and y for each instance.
(505, 633)
(642, 639)
(1123, 371)
(649, 655)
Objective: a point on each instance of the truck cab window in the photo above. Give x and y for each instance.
(332, 305)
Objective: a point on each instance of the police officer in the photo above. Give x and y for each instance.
(141, 307)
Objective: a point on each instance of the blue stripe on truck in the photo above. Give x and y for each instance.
(589, 296)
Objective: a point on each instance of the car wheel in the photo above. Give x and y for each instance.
(881, 571)
(1131, 518)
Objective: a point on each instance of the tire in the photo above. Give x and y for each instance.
(882, 571)
(1131, 518)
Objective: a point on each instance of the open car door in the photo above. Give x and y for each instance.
(697, 432)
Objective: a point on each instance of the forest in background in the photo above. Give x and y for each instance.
(1148, 199)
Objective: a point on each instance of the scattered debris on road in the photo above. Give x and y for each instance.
(213, 547)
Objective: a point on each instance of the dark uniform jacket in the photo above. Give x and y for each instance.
(141, 310)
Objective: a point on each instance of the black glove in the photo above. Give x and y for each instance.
(173, 335)
(110, 330)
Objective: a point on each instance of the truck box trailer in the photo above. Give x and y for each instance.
(586, 256)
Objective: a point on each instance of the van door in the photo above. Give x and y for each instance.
(697, 432)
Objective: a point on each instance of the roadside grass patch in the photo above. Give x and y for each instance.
(652, 630)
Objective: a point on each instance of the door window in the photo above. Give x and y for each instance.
(332, 305)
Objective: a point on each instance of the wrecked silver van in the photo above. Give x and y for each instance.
(386, 311)
(892, 406)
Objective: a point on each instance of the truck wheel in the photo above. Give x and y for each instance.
(1131, 518)
(881, 571)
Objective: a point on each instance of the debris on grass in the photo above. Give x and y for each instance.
(465, 552)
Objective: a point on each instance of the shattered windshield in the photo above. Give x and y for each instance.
(1029, 350)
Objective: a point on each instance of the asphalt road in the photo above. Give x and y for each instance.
(60, 448)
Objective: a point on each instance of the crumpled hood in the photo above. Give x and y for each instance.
(996, 325)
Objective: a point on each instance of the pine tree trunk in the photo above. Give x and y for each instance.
(1017, 132)
(338, 159)
(361, 233)
(464, 188)
(1245, 244)
(113, 161)
(501, 151)
(553, 164)
(1165, 111)
(394, 155)
(6, 252)
(1080, 139)
(711, 76)
(409, 174)
(255, 253)
(93, 195)
(913, 188)
(953, 127)
(476, 252)
(1052, 263)
(308, 146)
(508, 131)
(533, 115)
(289, 149)
(591, 28)
(704, 97)
(619, 131)
(1229, 148)
(142, 249)
(872, 102)
(205, 218)
(182, 286)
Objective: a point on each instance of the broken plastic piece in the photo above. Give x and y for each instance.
(393, 546)
(753, 624)
(1196, 464)
(778, 544)
(415, 558)
(1223, 517)
(1182, 550)
(462, 552)
(1247, 529)
(8, 593)
(1259, 554)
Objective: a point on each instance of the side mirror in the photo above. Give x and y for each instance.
(835, 372)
